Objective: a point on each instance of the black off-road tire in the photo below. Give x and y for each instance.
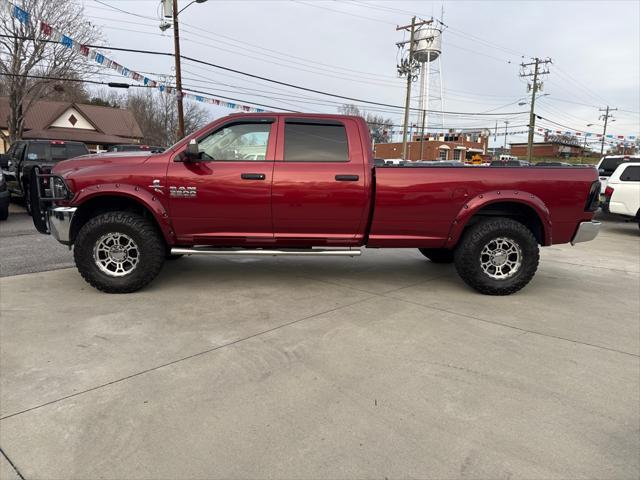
(438, 255)
(467, 255)
(152, 251)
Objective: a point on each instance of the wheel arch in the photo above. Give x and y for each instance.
(525, 208)
(96, 203)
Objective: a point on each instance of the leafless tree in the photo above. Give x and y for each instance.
(157, 115)
(26, 52)
(379, 127)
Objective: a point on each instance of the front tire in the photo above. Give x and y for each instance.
(497, 256)
(438, 255)
(119, 252)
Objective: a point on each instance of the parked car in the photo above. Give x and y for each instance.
(608, 164)
(316, 193)
(134, 147)
(4, 198)
(26, 158)
(622, 195)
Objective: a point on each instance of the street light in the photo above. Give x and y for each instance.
(189, 4)
(171, 10)
(537, 96)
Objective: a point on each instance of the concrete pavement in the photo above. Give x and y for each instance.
(382, 366)
(24, 250)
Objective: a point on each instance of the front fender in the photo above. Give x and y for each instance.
(154, 203)
(474, 205)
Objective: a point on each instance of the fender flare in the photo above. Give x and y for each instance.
(475, 204)
(133, 192)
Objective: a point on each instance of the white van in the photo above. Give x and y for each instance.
(622, 195)
(607, 165)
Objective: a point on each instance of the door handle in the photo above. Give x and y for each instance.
(347, 178)
(253, 176)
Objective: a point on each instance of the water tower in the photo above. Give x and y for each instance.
(428, 48)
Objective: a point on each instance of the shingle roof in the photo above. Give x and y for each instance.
(109, 121)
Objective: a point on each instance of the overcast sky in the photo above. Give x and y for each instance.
(347, 47)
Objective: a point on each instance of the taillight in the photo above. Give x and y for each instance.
(608, 192)
(593, 200)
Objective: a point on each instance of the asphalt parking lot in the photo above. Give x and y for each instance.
(385, 366)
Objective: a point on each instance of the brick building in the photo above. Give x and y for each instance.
(554, 146)
(437, 146)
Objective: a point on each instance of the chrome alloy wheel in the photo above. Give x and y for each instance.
(116, 254)
(501, 258)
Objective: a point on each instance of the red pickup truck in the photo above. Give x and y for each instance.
(307, 184)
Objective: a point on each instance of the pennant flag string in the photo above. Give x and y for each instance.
(51, 33)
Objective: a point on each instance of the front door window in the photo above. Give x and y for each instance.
(240, 142)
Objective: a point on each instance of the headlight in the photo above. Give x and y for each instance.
(59, 189)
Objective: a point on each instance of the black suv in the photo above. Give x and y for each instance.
(26, 157)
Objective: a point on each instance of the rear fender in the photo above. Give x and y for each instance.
(153, 203)
(474, 205)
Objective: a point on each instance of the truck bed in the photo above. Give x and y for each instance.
(421, 205)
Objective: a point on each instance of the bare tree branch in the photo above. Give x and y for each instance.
(20, 58)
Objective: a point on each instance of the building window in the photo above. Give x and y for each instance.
(443, 154)
(456, 154)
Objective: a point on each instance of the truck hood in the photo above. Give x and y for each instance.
(86, 162)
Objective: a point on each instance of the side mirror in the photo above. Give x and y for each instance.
(193, 149)
(601, 171)
(191, 153)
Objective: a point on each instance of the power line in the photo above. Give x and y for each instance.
(63, 79)
(259, 77)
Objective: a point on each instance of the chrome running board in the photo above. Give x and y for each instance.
(318, 252)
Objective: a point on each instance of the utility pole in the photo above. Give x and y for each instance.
(408, 68)
(424, 114)
(534, 87)
(176, 44)
(495, 139)
(504, 148)
(605, 117)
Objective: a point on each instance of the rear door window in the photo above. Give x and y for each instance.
(37, 152)
(307, 141)
(631, 174)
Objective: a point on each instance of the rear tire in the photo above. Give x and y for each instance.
(497, 256)
(438, 255)
(119, 252)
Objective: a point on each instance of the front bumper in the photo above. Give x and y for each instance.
(586, 232)
(60, 223)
